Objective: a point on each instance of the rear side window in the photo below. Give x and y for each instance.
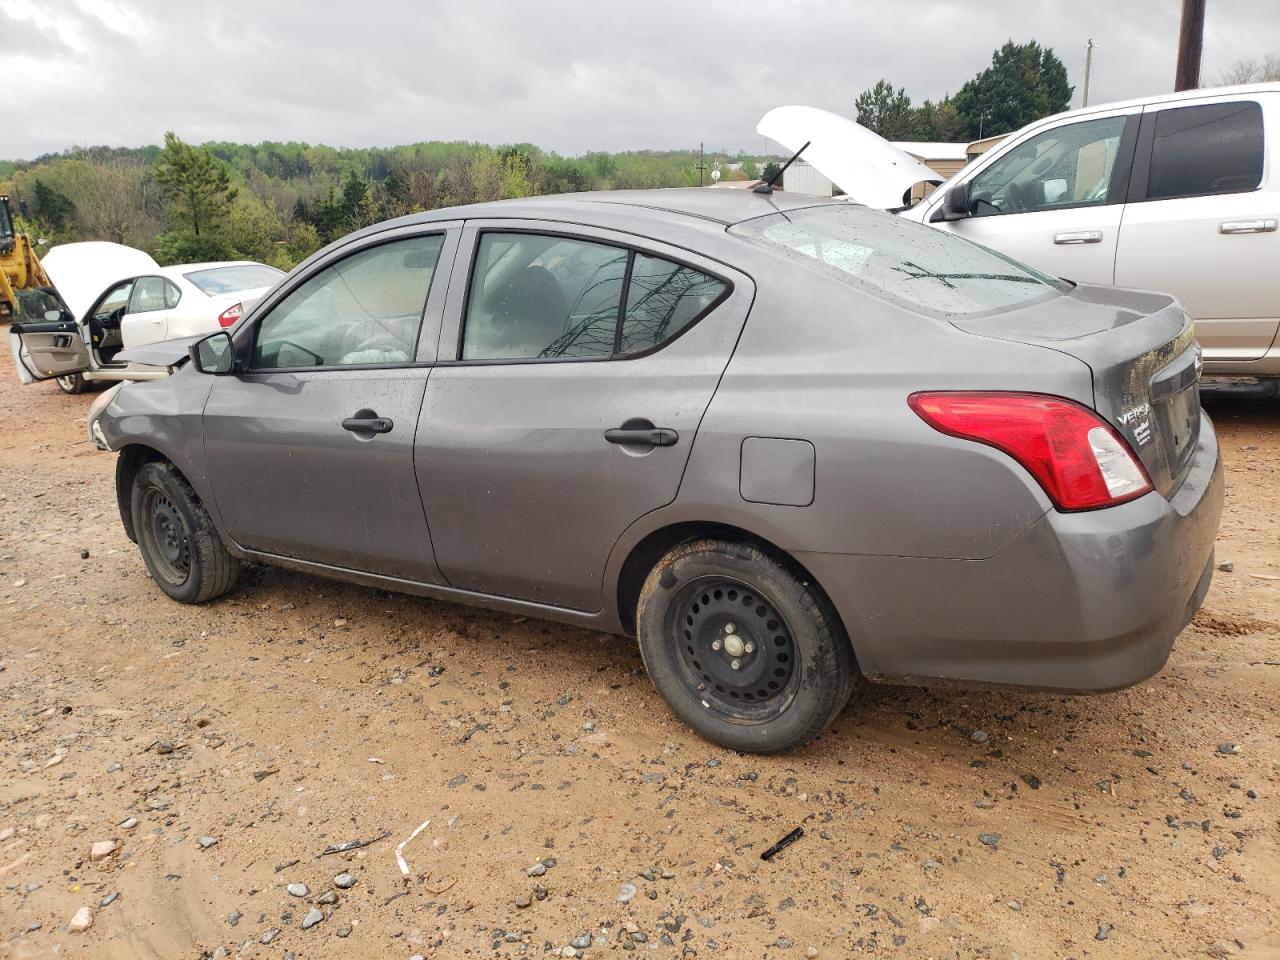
(901, 261)
(542, 297)
(148, 295)
(216, 281)
(1200, 151)
(662, 299)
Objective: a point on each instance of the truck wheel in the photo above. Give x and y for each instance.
(72, 383)
(178, 542)
(744, 651)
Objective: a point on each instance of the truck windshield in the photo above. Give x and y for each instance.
(901, 261)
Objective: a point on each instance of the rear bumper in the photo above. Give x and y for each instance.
(1080, 601)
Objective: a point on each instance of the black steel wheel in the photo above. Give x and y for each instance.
(178, 542)
(746, 652)
(737, 649)
(167, 538)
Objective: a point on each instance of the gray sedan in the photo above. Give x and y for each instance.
(782, 441)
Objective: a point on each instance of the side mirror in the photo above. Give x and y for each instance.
(955, 204)
(215, 354)
(53, 316)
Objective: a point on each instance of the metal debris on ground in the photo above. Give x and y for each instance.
(782, 844)
(353, 844)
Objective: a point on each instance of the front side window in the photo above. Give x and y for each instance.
(364, 309)
(1067, 166)
(538, 297)
(115, 300)
(1200, 151)
(899, 260)
(148, 295)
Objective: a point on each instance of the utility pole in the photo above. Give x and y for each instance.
(1190, 42)
(702, 165)
(1088, 68)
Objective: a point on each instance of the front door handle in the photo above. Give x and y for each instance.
(642, 433)
(1267, 225)
(1079, 236)
(366, 421)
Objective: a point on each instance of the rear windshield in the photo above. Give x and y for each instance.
(900, 260)
(219, 280)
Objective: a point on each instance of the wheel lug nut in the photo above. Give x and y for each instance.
(715, 644)
(750, 647)
(735, 663)
(730, 628)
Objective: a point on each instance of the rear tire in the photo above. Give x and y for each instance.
(743, 650)
(182, 550)
(72, 383)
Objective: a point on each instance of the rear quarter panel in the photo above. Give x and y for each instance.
(823, 362)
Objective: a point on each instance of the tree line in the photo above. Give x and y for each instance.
(1024, 83)
(279, 202)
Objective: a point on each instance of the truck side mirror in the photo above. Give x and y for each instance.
(954, 206)
(215, 354)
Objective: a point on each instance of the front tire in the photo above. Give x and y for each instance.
(182, 550)
(750, 655)
(72, 383)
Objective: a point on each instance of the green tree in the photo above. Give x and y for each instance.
(1024, 83)
(196, 184)
(939, 122)
(52, 206)
(886, 111)
(770, 170)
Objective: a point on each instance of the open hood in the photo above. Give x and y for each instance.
(863, 164)
(81, 272)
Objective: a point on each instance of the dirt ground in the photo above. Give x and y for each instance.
(299, 714)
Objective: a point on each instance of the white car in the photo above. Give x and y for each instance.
(119, 298)
(1177, 193)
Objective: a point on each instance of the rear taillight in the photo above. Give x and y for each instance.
(230, 315)
(1079, 460)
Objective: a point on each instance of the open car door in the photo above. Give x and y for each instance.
(49, 349)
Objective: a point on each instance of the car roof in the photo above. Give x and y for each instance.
(1187, 96)
(179, 269)
(720, 208)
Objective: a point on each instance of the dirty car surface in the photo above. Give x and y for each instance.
(782, 441)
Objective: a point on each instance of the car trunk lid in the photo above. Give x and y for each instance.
(1145, 362)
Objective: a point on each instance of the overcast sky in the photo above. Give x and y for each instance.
(568, 75)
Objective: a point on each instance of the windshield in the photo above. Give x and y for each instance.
(900, 260)
(248, 276)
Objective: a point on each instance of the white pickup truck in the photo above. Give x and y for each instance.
(1178, 193)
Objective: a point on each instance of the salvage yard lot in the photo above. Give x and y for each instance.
(300, 714)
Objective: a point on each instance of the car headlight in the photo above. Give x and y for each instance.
(100, 404)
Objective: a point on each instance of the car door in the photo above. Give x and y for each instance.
(1202, 217)
(1055, 199)
(573, 372)
(48, 349)
(310, 446)
(146, 318)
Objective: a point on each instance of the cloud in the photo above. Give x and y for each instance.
(568, 75)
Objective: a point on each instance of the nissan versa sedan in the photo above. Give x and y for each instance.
(783, 441)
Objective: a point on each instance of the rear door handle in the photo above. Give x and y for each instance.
(1079, 236)
(642, 433)
(367, 423)
(1249, 226)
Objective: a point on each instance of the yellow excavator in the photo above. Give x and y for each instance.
(25, 290)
